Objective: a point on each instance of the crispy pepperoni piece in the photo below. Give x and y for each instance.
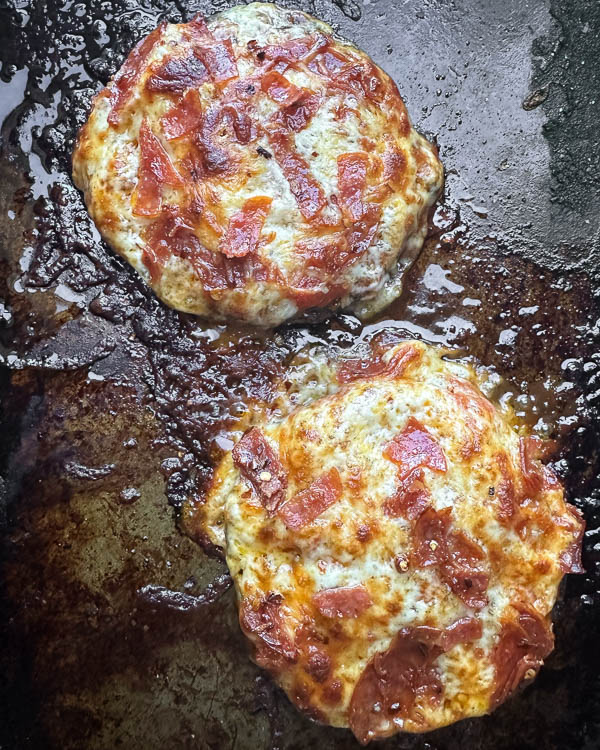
(387, 690)
(245, 226)
(468, 397)
(216, 159)
(155, 170)
(307, 292)
(197, 30)
(392, 682)
(130, 72)
(570, 558)
(290, 51)
(219, 59)
(308, 504)
(465, 630)
(352, 180)
(334, 252)
(279, 88)
(176, 74)
(471, 402)
(505, 494)
(523, 645)
(306, 190)
(316, 660)
(429, 536)
(162, 237)
(260, 465)
(296, 116)
(346, 601)
(460, 560)
(363, 80)
(375, 366)
(536, 476)
(410, 498)
(171, 234)
(273, 647)
(414, 448)
(184, 117)
(463, 569)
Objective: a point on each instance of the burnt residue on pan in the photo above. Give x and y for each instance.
(119, 631)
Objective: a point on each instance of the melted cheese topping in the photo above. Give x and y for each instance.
(396, 546)
(256, 166)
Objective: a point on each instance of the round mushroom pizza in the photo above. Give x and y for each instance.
(395, 542)
(255, 165)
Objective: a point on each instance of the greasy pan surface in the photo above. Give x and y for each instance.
(117, 630)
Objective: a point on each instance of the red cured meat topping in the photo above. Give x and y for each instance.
(155, 170)
(346, 601)
(245, 226)
(415, 448)
(308, 504)
(259, 464)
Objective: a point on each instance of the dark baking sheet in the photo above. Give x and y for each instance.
(116, 629)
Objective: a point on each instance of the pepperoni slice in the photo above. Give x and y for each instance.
(308, 504)
(429, 536)
(465, 630)
(463, 571)
(504, 493)
(352, 180)
(536, 476)
(273, 647)
(296, 116)
(184, 117)
(155, 170)
(460, 560)
(130, 73)
(469, 398)
(346, 601)
(171, 234)
(290, 51)
(316, 660)
(523, 645)
(279, 89)
(219, 60)
(361, 233)
(372, 367)
(245, 226)
(259, 464)
(176, 74)
(337, 250)
(410, 499)
(414, 448)
(160, 238)
(197, 30)
(307, 292)
(387, 690)
(570, 558)
(306, 190)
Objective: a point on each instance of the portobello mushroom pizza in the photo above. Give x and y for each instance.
(255, 165)
(395, 541)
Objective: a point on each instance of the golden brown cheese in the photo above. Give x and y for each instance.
(256, 165)
(396, 545)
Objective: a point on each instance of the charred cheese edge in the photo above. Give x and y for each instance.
(396, 546)
(255, 166)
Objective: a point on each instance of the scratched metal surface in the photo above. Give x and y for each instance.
(116, 629)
